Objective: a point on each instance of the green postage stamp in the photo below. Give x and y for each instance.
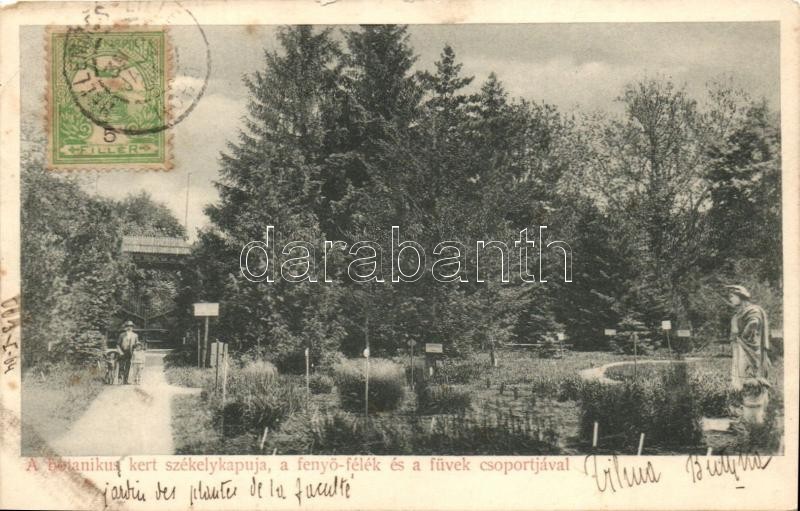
(108, 103)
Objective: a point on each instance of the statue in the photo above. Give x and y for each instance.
(750, 359)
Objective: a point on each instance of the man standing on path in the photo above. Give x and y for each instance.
(750, 346)
(127, 340)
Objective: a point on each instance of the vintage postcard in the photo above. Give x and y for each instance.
(399, 255)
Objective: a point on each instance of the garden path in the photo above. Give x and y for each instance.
(599, 373)
(126, 419)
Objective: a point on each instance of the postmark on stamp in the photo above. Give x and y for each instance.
(108, 103)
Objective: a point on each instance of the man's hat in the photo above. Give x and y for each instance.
(128, 323)
(740, 290)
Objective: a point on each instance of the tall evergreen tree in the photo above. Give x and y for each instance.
(745, 176)
(272, 177)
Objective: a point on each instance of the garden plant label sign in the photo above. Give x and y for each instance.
(206, 309)
(257, 216)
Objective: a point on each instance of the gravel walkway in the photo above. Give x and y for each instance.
(126, 419)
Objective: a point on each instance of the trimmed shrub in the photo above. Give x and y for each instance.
(386, 385)
(666, 410)
(715, 395)
(320, 383)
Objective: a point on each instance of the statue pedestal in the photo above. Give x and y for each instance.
(754, 407)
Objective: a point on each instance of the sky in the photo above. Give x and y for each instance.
(573, 66)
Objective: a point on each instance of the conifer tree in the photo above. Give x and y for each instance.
(272, 177)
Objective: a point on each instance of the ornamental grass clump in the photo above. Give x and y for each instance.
(258, 397)
(346, 433)
(462, 372)
(386, 385)
(497, 435)
(438, 399)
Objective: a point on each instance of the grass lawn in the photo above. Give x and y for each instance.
(53, 400)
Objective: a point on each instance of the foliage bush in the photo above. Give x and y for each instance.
(294, 361)
(762, 438)
(320, 383)
(86, 348)
(182, 356)
(386, 384)
(666, 410)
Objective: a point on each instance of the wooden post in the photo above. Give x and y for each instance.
(224, 379)
(308, 376)
(641, 444)
(199, 351)
(222, 420)
(594, 435)
(216, 366)
(635, 343)
(206, 355)
(366, 371)
(263, 439)
(412, 363)
(669, 345)
(366, 385)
